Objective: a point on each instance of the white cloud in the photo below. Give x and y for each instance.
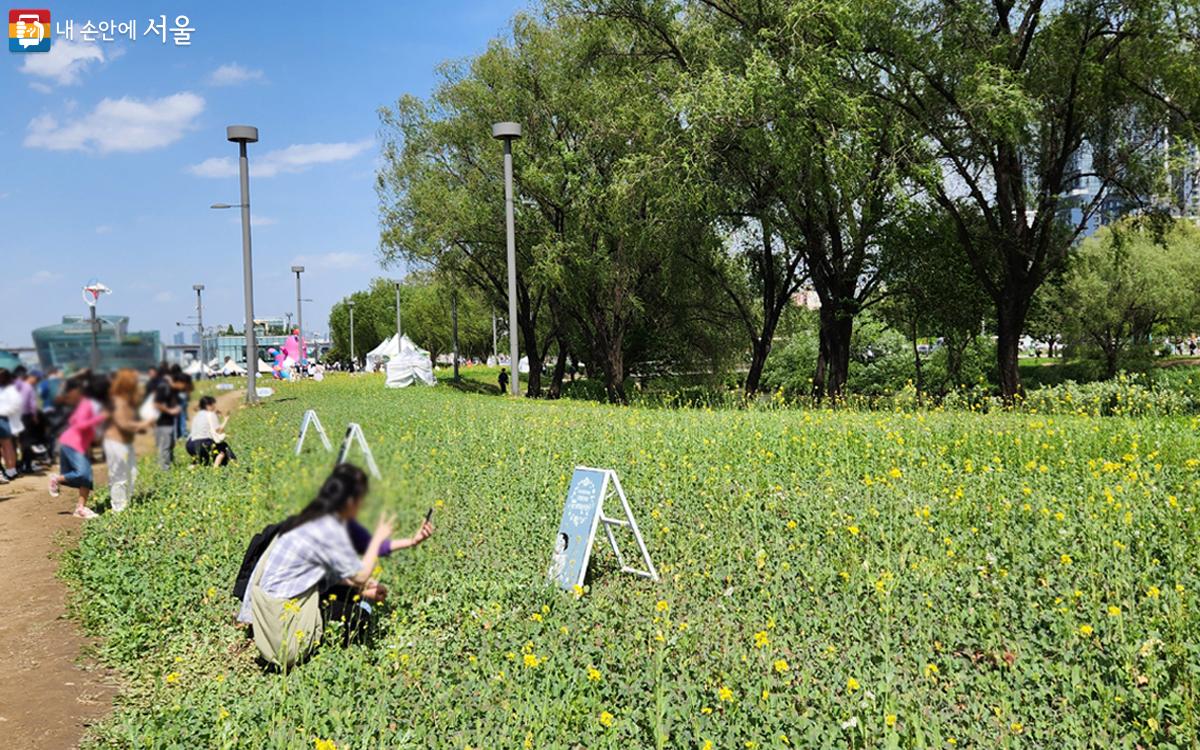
(104, 229)
(333, 261)
(119, 125)
(297, 158)
(44, 277)
(232, 74)
(64, 64)
(163, 297)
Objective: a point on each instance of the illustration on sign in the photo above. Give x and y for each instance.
(582, 515)
(573, 543)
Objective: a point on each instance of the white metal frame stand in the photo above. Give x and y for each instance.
(310, 417)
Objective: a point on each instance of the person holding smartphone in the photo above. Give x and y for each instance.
(311, 575)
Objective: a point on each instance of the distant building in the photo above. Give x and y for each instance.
(68, 345)
(220, 346)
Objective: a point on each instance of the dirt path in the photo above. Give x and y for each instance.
(50, 691)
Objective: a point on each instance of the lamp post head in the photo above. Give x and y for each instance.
(350, 304)
(241, 134)
(198, 287)
(506, 131)
(297, 269)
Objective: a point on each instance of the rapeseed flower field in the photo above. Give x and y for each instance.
(830, 579)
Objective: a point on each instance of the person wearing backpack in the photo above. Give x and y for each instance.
(310, 573)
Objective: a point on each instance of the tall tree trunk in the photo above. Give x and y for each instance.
(758, 360)
(560, 369)
(533, 386)
(833, 361)
(917, 362)
(1010, 321)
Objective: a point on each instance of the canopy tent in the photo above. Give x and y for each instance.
(264, 368)
(409, 365)
(194, 369)
(232, 368)
(387, 349)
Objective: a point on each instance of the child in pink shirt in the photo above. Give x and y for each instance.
(75, 444)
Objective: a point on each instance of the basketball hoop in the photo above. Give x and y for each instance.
(92, 292)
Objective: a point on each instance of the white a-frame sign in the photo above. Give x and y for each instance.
(582, 515)
(355, 433)
(311, 418)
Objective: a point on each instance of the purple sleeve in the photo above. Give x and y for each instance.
(361, 539)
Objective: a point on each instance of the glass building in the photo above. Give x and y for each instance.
(68, 345)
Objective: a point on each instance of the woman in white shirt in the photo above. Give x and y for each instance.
(206, 442)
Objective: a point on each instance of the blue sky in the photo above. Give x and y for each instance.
(112, 152)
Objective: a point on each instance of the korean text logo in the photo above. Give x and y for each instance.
(29, 30)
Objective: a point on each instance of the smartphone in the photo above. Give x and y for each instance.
(428, 514)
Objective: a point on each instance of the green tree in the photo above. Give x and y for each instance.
(1020, 103)
(795, 160)
(1126, 283)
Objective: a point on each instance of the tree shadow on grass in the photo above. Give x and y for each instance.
(466, 385)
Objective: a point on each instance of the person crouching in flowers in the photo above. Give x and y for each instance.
(311, 574)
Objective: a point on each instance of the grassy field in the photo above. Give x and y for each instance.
(830, 580)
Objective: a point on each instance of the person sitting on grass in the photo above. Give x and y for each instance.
(206, 444)
(311, 573)
(75, 444)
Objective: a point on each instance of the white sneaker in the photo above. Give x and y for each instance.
(53, 486)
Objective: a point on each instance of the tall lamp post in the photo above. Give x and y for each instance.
(200, 325)
(299, 318)
(350, 304)
(509, 132)
(399, 332)
(241, 135)
(91, 295)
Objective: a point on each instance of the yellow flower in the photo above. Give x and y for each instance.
(1114, 610)
(706, 710)
(222, 714)
(931, 670)
(890, 720)
(593, 674)
(1016, 727)
(760, 639)
(536, 617)
(781, 666)
(852, 685)
(529, 741)
(1065, 559)
(577, 590)
(1152, 723)
(1153, 592)
(606, 719)
(725, 694)
(531, 660)
(708, 745)
(791, 524)
(172, 678)
(853, 530)
(895, 473)
(320, 744)
(1085, 630)
(662, 605)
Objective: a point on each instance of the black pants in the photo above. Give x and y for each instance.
(34, 433)
(343, 604)
(206, 451)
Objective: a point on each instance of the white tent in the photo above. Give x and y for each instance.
(409, 365)
(264, 368)
(232, 368)
(194, 369)
(523, 366)
(387, 349)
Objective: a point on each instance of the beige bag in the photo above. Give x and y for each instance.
(285, 630)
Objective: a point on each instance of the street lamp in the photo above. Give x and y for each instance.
(200, 326)
(299, 319)
(508, 132)
(350, 304)
(91, 295)
(241, 135)
(398, 330)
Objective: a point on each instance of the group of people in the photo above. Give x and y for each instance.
(43, 415)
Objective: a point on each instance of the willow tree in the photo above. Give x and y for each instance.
(600, 221)
(1040, 115)
(793, 158)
